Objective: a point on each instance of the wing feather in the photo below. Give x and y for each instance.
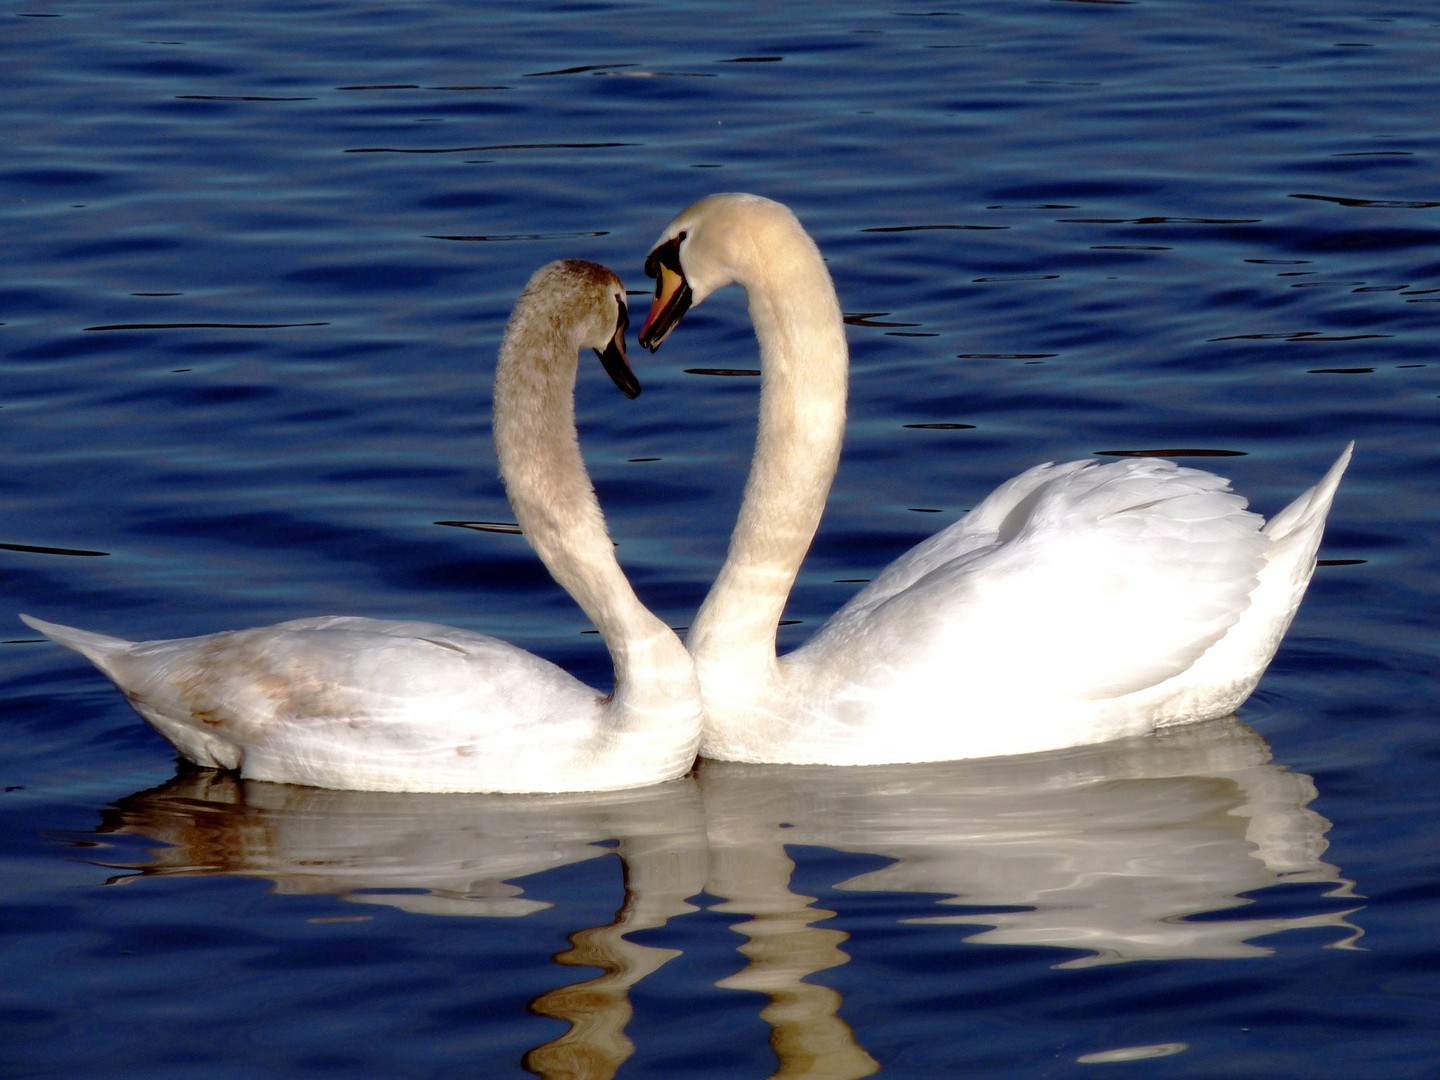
(1069, 581)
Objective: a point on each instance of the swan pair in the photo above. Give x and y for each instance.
(1075, 604)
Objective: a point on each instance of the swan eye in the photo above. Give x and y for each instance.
(666, 257)
(622, 320)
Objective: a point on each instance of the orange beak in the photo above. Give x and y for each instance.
(672, 294)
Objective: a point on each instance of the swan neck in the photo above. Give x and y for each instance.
(556, 508)
(804, 365)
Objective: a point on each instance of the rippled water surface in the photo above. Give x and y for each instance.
(257, 260)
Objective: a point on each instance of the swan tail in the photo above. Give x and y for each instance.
(1295, 535)
(1308, 512)
(99, 649)
(1221, 680)
(141, 685)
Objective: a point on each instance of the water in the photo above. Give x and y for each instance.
(257, 262)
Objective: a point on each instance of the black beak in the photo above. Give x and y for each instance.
(612, 357)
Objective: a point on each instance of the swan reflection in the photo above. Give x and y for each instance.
(1125, 851)
(1104, 849)
(451, 854)
(456, 855)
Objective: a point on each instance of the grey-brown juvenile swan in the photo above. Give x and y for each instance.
(375, 705)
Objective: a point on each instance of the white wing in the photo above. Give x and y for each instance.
(1070, 581)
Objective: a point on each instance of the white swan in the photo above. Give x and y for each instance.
(374, 705)
(1075, 604)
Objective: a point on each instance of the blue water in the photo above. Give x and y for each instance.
(257, 260)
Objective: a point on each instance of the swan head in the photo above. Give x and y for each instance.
(712, 243)
(590, 299)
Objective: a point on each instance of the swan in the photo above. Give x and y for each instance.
(1077, 603)
(367, 704)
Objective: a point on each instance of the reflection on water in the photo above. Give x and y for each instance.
(1103, 849)
(1114, 851)
(450, 854)
(782, 946)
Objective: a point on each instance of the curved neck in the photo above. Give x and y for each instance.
(804, 368)
(556, 508)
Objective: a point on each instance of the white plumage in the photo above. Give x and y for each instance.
(1077, 603)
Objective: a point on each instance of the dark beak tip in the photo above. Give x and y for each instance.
(618, 368)
(657, 328)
